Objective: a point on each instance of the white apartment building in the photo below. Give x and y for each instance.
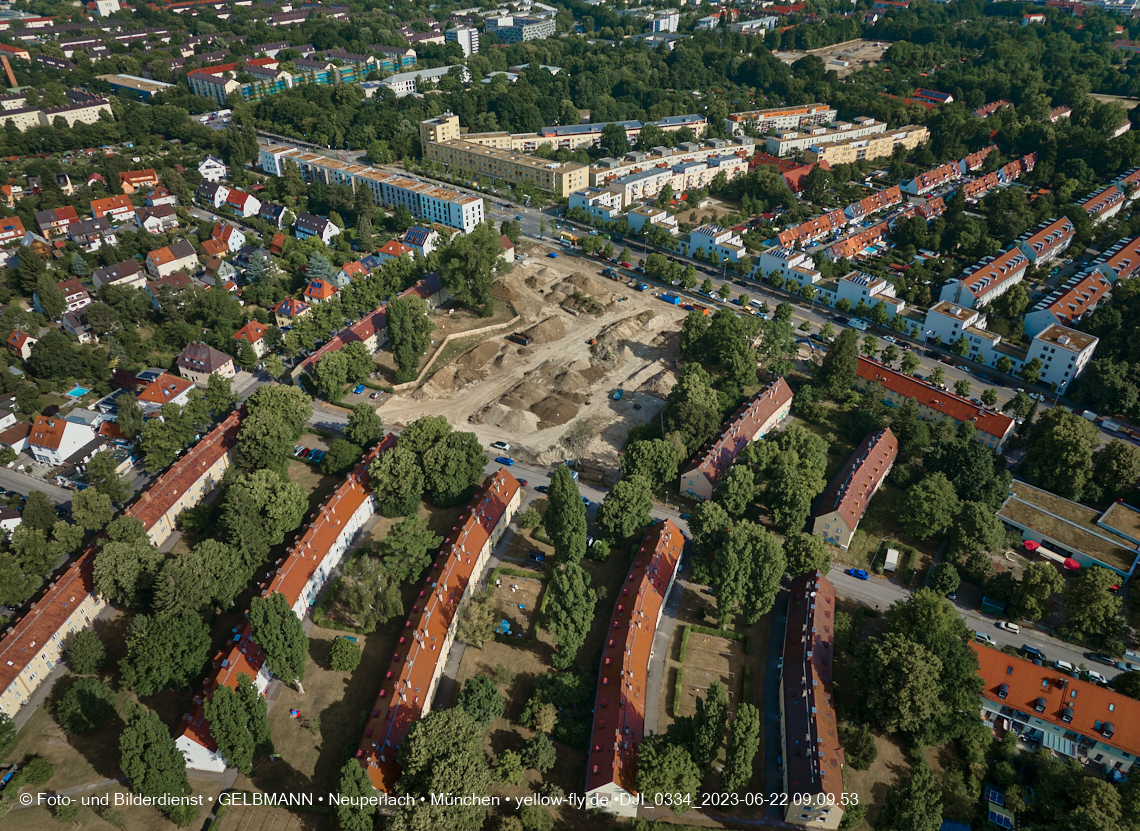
(466, 36)
(638, 217)
(598, 203)
(949, 322)
(407, 83)
(987, 280)
(797, 141)
(712, 240)
(1064, 354)
(789, 264)
(781, 118)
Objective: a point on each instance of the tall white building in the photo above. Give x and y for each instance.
(466, 36)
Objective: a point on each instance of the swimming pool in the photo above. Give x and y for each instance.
(78, 392)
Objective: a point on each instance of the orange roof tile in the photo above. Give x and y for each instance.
(403, 690)
(164, 388)
(110, 204)
(251, 332)
(1091, 290)
(623, 680)
(1028, 685)
(47, 432)
(717, 457)
(851, 490)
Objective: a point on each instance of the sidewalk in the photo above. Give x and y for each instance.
(659, 654)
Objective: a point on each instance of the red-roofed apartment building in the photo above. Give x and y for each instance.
(623, 682)
(941, 175)
(410, 679)
(849, 494)
(992, 429)
(186, 482)
(1068, 304)
(809, 731)
(1075, 719)
(756, 417)
(1121, 261)
(133, 180)
(299, 577)
(987, 280)
(1050, 240)
(1104, 204)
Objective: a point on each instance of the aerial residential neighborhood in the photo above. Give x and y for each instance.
(569, 415)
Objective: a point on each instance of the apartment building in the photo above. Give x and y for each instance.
(559, 178)
(610, 169)
(1064, 354)
(781, 119)
(796, 266)
(406, 693)
(407, 83)
(197, 362)
(809, 730)
(599, 204)
(858, 287)
(797, 141)
(849, 495)
(1081, 294)
(714, 242)
(681, 177)
(949, 322)
(848, 151)
(1076, 720)
(992, 429)
(756, 418)
(987, 280)
(932, 179)
(1120, 261)
(431, 202)
(178, 256)
(1048, 241)
(1104, 204)
(637, 218)
(519, 29)
(623, 683)
(466, 36)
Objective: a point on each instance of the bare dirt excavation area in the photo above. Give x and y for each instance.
(589, 336)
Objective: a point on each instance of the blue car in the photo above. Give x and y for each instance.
(318, 456)
(586, 502)
(552, 255)
(858, 573)
(359, 389)
(503, 460)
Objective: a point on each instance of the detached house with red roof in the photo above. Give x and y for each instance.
(393, 249)
(253, 333)
(757, 417)
(623, 682)
(163, 390)
(11, 229)
(20, 344)
(289, 310)
(161, 196)
(849, 495)
(136, 180)
(115, 208)
(199, 361)
(54, 440)
(75, 295)
(54, 222)
(178, 256)
(242, 203)
(318, 291)
(230, 236)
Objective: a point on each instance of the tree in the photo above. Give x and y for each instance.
(944, 578)
(331, 374)
(344, 655)
(989, 397)
(258, 510)
(270, 428)
(667, 775)
(707, 727)
(49, 297)
(54, 356)
(625, 508)
(977, 529)
(539, 752)
(482, 700)
(29, 269)
(915, 803)
(1038, 583)
(85, 652)
(1127, 683)
(614, 140)
(743, 742)
(468, 266)
(806, 553)
(570, 611)
(937, 376)
(565, 517)
(930, 506)
(737, 490)
(152, 763)
(356, 811)
(211, 574)
(126, 563)
(443, 753)
(342, 457)
(39, 512)
(1116, 467)
(1030, 372)
(277, 631)
(103, 478)
(870, 346)
(656, 460)
(87, 705)
(910, 362)
(1060, 455)
(746, 573)
(1091, 609)
(962, 388)
(167, 653)
(859, 746)
(452, 467)
(130, 417)
(839, 369)
(899, 680)
(890, 353)
(239, 723)
(407, 549)
(478, 617)
(91, 510)
(409, 334)
(364, 427)
(397, 481)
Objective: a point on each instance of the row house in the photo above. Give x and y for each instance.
(115, 208)
(178, 256)
(813, 229)
(54, 222)
(127, 274)
(1104, 204)
(858, 244)
(93, 234)
(1121, 261)
(932, 179)
(1048, 241)
(879, 201)
(987, 280)
(1068, 304)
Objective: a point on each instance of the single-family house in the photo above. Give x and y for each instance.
(163, 390)
(308, 225)
(253, 333)
(172, 284)
(319, 291)
(199, 361)
(160, 196)
(157, 220)
(20, 344)
(178, 256)
(212, 194)
(229, 235)
(212, 169)
(393, 249)
(289, 310)
(115, 208)
(422, 240)
(54, 222)
(136, 180)
(127, 273)
(242, 203)
(54, 440)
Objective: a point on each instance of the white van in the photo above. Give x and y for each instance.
(860, 324)
(1096, 676)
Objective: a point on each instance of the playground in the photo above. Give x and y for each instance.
(519, 598)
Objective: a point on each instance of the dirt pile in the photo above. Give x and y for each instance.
(549, 330)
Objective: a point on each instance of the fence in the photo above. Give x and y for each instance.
(443, 344)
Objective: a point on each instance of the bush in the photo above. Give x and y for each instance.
(510, 768)
(539, 753)
(85, 653)
(858, 746)
(529, 518)
(344, 656)
(66, 813)
(36, 771)
(600, 551)
(481, 699)
(87, 705)
(535, 818)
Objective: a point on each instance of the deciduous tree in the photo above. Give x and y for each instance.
(1060, 455)
(1038, 583)
(625, 508)
(655, 459)
(397, 481)
(364, 427)
(409, 334)
(565, 517)
(900, 683)
(569, 611)
(126, 563)
(407, 549)
(478, 617)
(87, 705)
(667, 774)
(153, 764)
(239, 723)
(356, 811)
(167, 653)
(806, 553)
(743, 742)
(452, 467)
(103, 478)
(737, 490)
(85, 652)
(930, 506)
(482, 699)
(277, 631)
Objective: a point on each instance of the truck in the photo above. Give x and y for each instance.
(1089, 415)
(860, 324)
(704, 310)
(642, 287)
(567, 237)
(1110, 425)
(672, 299)
(519, 338)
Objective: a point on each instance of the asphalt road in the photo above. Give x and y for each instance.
(880, 593)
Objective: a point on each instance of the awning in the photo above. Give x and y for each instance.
(1058, 744)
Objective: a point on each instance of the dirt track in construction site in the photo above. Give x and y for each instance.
(530, 395)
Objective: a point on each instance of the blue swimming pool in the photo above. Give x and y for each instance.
(78, 392)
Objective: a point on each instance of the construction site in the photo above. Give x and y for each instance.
(844, 58)
(589, 356)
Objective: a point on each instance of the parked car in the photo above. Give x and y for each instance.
(318, 455)
(1034, 652)
(500, 445)
(890, 339)
(1006, 626)
(982, 637)
(1128, 666)
(1096, 676)
(358, 389)
(858, 573)
(1107, 660)
(625, 265)
(376, 395)
(541, 488)
(504, 460)
(586, 502)
(523, 482)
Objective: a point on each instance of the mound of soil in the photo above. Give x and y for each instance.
(554, 410)
(551, 329)
(516, 421)
(524, 396)
(481, 356)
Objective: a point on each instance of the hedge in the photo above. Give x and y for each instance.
(678, 691)
(746, 684)
(684, 645)
(722, 633)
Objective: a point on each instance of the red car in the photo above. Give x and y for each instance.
(626, 265)
(523, 482)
